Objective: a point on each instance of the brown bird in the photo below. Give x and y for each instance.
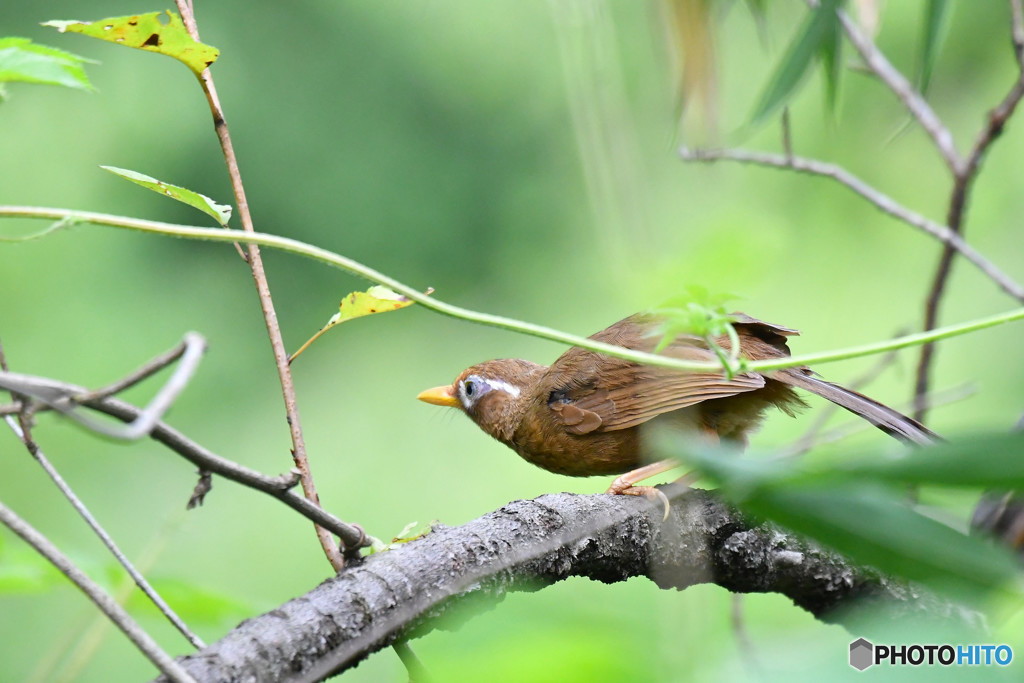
(582, 415)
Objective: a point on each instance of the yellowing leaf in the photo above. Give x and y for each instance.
(220, 212)
(154, 32)
(377, 299)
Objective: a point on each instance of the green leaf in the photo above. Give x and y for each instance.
(377, 299)
(161, 32)
(28, 62)
(219, 212)
(702, 314)
(821, 22)
(697, 312)
(24, 571)
(874, 527)
(860, 509)
(759, 11)
(936, 13)
(758, 8)
(831, 52)
(982, 461)
(193, 603)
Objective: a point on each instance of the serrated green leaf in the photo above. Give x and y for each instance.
(697, 313)
(28, 62)
(161, 32)
(813, 33)
(219, 212)
(936, 13)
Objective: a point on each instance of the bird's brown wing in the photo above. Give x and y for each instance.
(590, 392)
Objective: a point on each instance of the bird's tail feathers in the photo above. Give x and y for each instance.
(890, 421)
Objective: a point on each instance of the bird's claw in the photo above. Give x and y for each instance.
(649, 492)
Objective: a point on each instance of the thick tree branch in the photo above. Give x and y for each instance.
(529, 544)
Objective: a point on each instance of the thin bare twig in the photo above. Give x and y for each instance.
(278, 487)
(880, 200)
(330, 548)
(904, 90)
(25, 385)
(1017, 30)
(334, 556)
(76, 502)
(963, 178)
(149, 369)
(22, 429)
(106, 604)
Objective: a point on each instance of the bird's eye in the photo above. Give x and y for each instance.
(472, 389)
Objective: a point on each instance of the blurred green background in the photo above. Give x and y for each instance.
(517, 156)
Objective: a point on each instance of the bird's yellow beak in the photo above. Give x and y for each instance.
(440, 396)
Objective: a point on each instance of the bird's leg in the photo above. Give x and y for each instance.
(625, 484)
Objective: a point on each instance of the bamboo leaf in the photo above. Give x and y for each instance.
(936, 14)
(812, 35)
(831, 52)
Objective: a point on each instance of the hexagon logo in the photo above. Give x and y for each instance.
(861, 654)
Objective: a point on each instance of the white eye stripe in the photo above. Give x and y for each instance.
(509, 389)
(475, 386)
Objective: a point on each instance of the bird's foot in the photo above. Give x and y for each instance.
(625, 485)
(620, 488)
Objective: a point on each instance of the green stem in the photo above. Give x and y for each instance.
(356, 268)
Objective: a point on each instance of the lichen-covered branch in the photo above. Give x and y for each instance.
(530, 544)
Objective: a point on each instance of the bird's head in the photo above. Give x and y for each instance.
(493, 394)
